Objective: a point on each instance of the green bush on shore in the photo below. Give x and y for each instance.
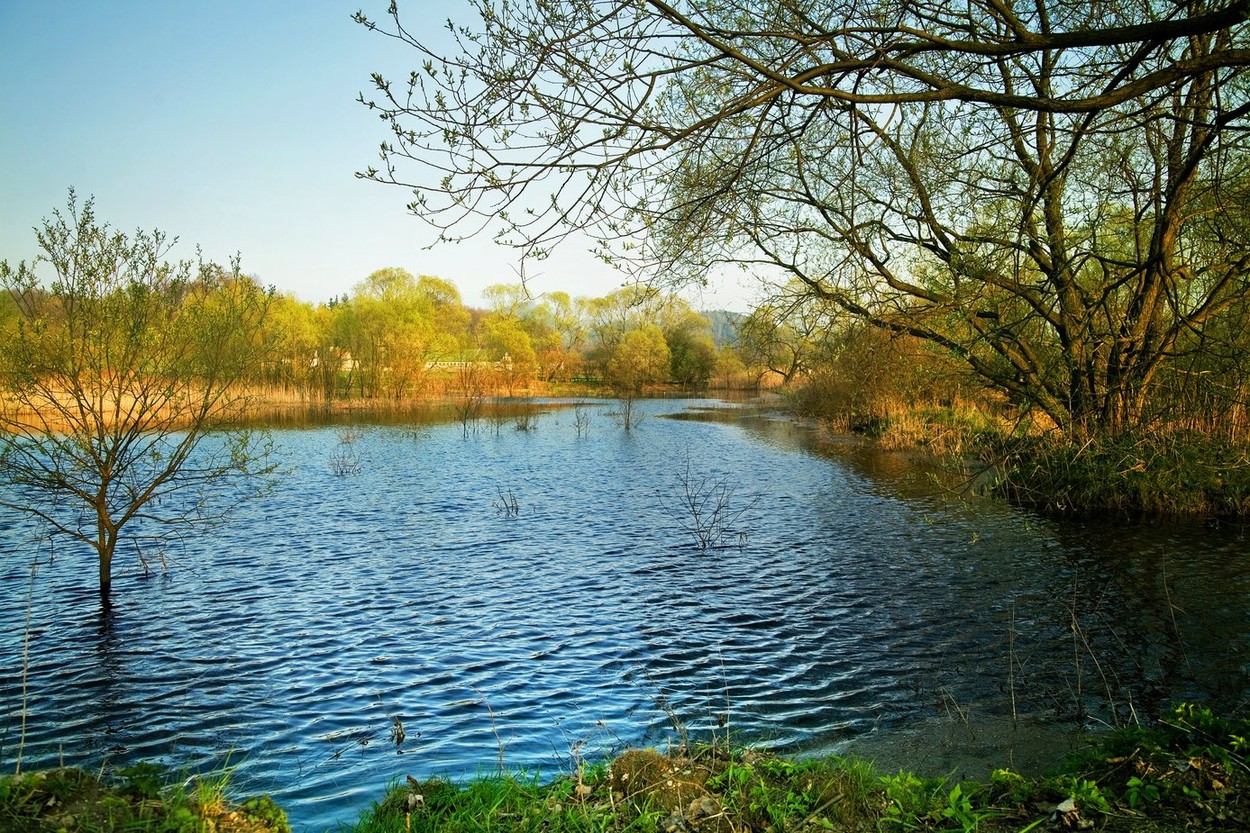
(143, 798)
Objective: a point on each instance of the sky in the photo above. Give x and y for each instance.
(233, 125)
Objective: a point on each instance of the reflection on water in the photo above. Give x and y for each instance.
(865, 600)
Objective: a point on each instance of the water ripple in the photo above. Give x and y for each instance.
(300, 632)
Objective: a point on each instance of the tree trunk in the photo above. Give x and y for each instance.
(105, 544)
(106, 574)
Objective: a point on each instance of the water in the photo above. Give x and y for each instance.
(859, 601)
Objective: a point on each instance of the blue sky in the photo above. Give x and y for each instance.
(233, 125)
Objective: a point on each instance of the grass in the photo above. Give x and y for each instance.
(1164, 472)
(144, 798)
(1187, 773)
(1187, 465)
(1170, 473)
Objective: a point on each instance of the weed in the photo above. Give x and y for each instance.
(1140, 792)
(526, 419)
(960, 812)
(507, 503)
(30, 601)
(706, 510)
(1157, 472)
(1088, 796)
(581, 419)
(143, 780)
(716, 789)
(346, 461)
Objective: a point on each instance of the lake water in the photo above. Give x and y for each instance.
(535, 596)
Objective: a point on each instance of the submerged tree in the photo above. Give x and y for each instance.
(1051, 192)
(120, 382)
(639, 359)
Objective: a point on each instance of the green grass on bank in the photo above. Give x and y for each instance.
(144, 798)
(1188, 773)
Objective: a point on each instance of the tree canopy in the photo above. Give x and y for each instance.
(1053, 192)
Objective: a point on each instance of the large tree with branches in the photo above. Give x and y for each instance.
(1052, 191)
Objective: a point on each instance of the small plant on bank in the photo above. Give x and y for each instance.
(1186, 773)
(1168, 778)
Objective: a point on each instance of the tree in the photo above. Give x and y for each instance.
(783, 335)
(640, 358)
(389, 333)
(509, 346)
(1049, 192)
(121, 379)
(291, 328)
(692, 352)
(563, 337)
(394, 325)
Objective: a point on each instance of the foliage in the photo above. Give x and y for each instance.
(513, 352)
(1176, 776)
(641, 790)
(397, 338)
(639, 359)
(692, 351)
(1188, 772)
(122, 379)
(1192, 764)
(392, 327)
(786, 334)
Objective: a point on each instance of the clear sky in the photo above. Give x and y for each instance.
(233, 124)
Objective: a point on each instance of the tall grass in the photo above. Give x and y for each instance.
(1189, 455)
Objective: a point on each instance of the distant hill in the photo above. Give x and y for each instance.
(725, 326)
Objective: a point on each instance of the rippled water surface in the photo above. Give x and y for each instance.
(858, 599)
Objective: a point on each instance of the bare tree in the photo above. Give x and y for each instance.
(471, 387)
(1049, 191)
(120, 380)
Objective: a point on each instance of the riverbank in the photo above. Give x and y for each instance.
(143, 798)
(1165, 474)
(1189, 772)
(1162, 472)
